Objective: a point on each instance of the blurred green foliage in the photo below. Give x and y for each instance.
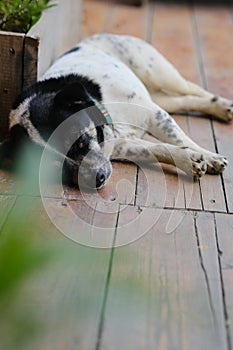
(20, 258)
(24, 255)
(51, 289)
(21, 15)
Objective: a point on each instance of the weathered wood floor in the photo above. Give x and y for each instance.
(172, 288)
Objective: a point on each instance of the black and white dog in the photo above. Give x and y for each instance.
(114, 89)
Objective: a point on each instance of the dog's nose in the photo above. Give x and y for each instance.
(100, 178)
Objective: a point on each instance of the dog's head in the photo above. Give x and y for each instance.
(75, 127)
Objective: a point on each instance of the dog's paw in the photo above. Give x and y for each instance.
(192, 163)
(199, 166)
(223, 108)
(215, 163)
(229, 113)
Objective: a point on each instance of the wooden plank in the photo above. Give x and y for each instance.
(8, 185)
(209, 255)
(211, 185)
(152, 187)
(60, 299)
(119, 189)
(218, 67)
(224, 228)
(30, 60)
(192, 190)
(24, 178)
(128, 20)
(122, 186)
(171, 23)
(167, 26)
(158, 297)
(132, 2)
(165, 186)
(217, 46)
(160, 186)
(6, 204)
(132, 21)
(92, 223)
(100, 11)
(180, 191)
(18, 68)
(134, 222)
(11, 69)
(224, 139)
(212, 190)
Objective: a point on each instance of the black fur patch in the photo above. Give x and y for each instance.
(100, 134)
(214, 99)
(56, 99)
(74, 49)
(159, 115)
(129, 153)
(145, 152)
(80, 147)
(54, 85)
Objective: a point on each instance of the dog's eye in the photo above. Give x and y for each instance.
(79, 102)
(83, 142)
(75, 103)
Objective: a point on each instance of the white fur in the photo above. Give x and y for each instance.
(130, 73)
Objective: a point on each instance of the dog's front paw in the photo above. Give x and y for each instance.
(191, 162)
(215, 163)
(199, 166)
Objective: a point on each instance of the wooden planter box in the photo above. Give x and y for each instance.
(24, 58)
(18, 68)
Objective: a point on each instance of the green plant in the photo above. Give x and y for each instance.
(51, 289)
(21, 15)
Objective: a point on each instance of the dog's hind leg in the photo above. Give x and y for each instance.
(161, 78)
(172, 92)
(156, 72)
(216, 106)
(168, 87)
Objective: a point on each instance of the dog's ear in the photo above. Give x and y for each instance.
(72, 95)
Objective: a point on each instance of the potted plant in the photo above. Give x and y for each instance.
(18, 51)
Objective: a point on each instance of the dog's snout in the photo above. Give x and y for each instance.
(100, 178)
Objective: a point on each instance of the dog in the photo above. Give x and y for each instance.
(110, 90)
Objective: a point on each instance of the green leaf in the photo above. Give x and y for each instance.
(19, 16)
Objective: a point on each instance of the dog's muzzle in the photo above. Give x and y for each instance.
(100, 178)
(86, 177)
(93, 178)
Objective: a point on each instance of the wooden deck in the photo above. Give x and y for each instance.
(172, 288)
